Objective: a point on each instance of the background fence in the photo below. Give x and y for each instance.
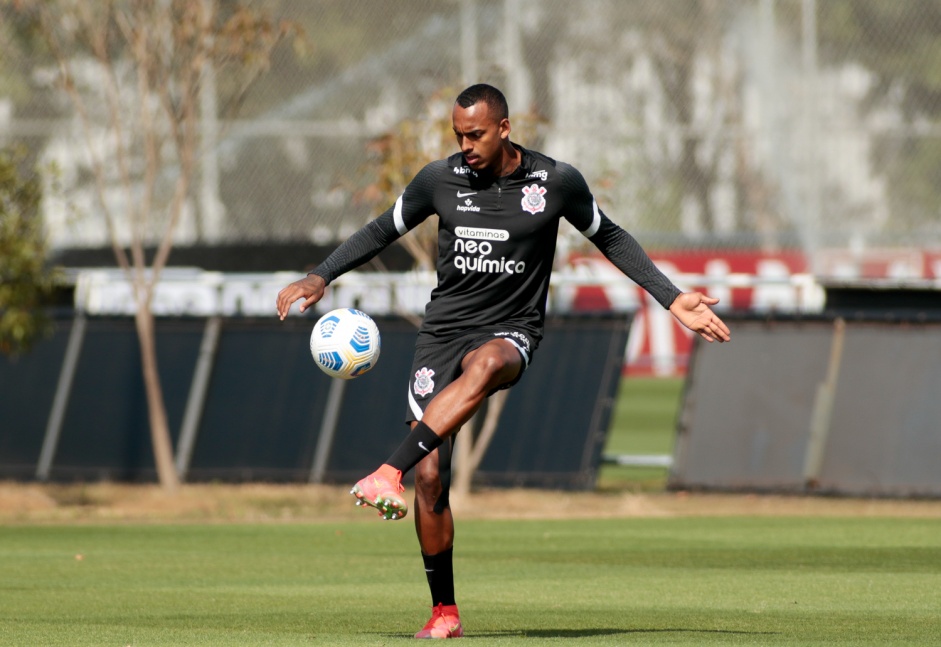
(245, 402)
(828, 404)
(763, 125)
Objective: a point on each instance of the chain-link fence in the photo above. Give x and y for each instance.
(772, 125)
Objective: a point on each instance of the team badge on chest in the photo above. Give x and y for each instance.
(533, 200)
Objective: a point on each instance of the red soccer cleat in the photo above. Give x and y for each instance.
(445, 623)
(382, 490)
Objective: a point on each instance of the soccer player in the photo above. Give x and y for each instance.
(499, 207)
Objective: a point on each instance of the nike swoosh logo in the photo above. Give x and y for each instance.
(422, 445)
(464, 195)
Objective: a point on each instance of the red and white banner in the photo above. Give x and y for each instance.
(658, 345)
(752, 281)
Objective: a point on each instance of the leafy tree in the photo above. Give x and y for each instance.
(134, 72)
(25, 278)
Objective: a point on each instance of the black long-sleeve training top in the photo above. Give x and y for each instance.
(496, 242)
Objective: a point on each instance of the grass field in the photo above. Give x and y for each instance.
(643, 422)
(105, 564)
(678, 581)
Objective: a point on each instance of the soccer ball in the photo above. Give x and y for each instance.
(345, 343)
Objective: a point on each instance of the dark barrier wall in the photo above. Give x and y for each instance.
(266, 402)
(556, 419)
(27, 388)
(260, 417)
(815, 406)
(105, 433)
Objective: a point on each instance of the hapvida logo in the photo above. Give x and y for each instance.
(468, 205)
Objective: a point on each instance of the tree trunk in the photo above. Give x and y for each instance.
(474, 448)
(157, 411)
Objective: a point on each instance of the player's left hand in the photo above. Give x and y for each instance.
(693, 311)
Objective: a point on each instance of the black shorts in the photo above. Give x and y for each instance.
(438, 363)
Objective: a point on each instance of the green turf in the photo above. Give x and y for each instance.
(644, 419)
(643, 422)
(682, 581)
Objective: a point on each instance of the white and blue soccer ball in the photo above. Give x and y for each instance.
(345, 343)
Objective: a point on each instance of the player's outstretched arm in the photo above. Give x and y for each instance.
(310, 289)
(414, 205)
(693, 311)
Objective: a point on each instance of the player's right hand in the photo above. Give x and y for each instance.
(309, 288)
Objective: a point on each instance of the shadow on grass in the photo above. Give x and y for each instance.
(588, 633)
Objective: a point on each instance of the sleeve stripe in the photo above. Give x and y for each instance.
(397, 217)
(595, 221)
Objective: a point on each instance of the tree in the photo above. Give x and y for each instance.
(134, 72)
(25, 277)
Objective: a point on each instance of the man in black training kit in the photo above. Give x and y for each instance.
(499, 207)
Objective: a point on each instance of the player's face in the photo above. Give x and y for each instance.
(480, 136)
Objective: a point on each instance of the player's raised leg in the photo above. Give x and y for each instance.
(484, 369)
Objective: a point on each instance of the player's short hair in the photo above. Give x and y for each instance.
(487, 94)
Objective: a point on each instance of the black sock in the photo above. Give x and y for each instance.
(440, 573)
(420, 442)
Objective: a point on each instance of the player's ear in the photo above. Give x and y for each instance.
(504, 128)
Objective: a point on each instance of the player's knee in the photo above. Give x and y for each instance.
(427, 481)
(488, 367)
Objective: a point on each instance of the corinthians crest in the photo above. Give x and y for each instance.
(423, 382)
(533, 200)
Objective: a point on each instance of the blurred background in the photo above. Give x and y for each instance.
(762, 150)
(744, 125)
(727, 125)
(766, 138)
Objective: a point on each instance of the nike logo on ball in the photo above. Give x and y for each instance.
(464, 195)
